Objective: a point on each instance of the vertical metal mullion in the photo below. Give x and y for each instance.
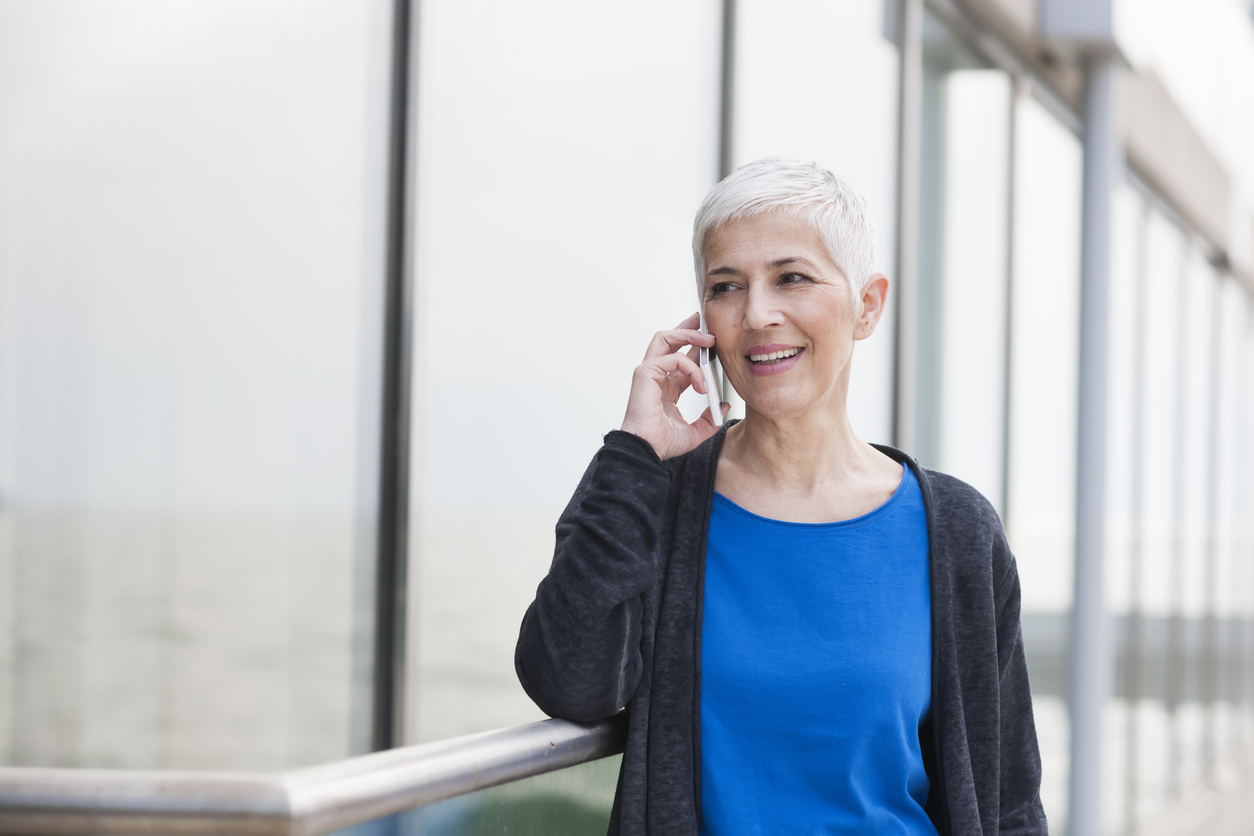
(1173, 667)
(727, 92)
(1210, 635)
(909, 129)
(1245, 506)
(726, 152)
(1007, 382)
(393, 540)
(1134, 653)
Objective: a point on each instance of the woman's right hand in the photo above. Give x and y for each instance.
(652, 408)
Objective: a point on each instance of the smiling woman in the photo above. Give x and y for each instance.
(808, 632)
(785, 318)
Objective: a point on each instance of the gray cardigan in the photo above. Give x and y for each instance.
(617, 624)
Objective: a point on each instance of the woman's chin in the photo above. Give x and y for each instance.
(778, 404)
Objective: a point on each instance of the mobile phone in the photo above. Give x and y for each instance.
(711, 387)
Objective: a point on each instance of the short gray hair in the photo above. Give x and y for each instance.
(803, 190)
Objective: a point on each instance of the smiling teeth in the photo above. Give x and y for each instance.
(774, 355)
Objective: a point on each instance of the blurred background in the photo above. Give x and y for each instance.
(313, 313)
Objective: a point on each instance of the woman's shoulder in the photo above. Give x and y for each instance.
(956, 498)
(960, 501)
(965, 529)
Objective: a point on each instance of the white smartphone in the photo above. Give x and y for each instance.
(711, 387)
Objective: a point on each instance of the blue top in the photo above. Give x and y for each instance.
(816, 659)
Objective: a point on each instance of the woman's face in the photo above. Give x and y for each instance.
(783, 315)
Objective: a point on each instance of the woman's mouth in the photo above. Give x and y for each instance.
(773, 362)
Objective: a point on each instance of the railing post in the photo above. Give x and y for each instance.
(1090, 657)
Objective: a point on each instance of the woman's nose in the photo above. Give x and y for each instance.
(761, 309)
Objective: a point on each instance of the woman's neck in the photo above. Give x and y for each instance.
(798, 452)
(803, 468)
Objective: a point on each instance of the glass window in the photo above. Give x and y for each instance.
(1174, 710)
(998, 302)
(191, 240)
(1243, 504)
(1185, 680)
(1230, 584)
(963, 237)
(1161, 347)
(1123, 389)
(1044, 354)
(818, 81)
(564, 149)
(1180, 593)
(1044, 338)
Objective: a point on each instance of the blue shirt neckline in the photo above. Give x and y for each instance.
(906, 477)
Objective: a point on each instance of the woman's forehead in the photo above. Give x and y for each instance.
(771, 240)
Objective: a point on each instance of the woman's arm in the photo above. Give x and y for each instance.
(1020, 791)
(578, 653)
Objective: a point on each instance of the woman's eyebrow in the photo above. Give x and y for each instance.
(774, 265)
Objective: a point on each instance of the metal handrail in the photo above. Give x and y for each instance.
(299, 802)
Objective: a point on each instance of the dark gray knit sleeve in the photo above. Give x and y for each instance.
(578, 653)
(1020, 791)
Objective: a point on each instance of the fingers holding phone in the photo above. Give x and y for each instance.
(667, 370)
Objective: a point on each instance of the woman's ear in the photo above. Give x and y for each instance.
(873, 297)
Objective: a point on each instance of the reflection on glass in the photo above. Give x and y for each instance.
(571, 802)
(191, 201)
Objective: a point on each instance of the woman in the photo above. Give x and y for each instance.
(810, 634)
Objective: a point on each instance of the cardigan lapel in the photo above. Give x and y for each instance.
(675, 770)
(944, 662)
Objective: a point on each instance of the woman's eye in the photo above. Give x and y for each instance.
(721, 288)
(792, 278)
